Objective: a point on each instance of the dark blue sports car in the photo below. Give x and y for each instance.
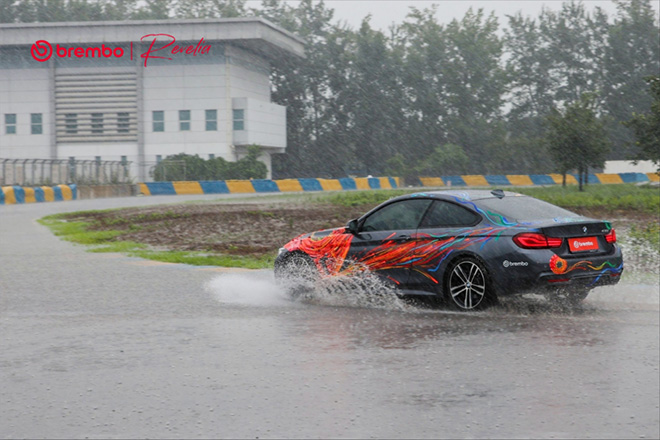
(467, 247)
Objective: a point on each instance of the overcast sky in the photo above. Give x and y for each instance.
(386, 12)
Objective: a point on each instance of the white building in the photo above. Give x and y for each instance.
(142, 90)
(628, 166)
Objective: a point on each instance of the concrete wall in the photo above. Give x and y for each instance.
(265, 123)
(24, 91)
(105, 191)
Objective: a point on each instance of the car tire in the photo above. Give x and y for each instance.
(467, 285)
(569, 297)
(297, 273)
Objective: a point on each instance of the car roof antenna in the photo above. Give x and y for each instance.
(498, 193)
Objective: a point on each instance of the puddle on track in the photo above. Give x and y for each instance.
(259, 289)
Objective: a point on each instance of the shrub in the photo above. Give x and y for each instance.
(183, 166)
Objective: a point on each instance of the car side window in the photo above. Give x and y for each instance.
(445, 215)
(405, 214)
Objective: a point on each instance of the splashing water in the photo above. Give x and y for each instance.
(255, 289)
(260, 289)
(364, 290)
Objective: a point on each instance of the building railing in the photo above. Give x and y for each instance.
(37, 172)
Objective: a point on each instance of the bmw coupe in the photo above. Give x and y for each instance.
(465, 247)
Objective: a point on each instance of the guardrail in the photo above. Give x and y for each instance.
(37, 172)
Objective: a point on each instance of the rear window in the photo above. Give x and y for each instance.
(524, 208)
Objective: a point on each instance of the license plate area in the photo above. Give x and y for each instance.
(583, 244)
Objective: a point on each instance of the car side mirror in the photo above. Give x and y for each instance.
(352, 227)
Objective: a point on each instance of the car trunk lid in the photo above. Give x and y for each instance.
(581, 239)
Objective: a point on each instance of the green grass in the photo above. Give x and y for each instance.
(359, 198)
(119, 247)
(102, 241)
(625, 197)
(77, 232)
(201, 259)
(611, 197)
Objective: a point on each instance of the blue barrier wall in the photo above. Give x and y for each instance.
(17, 194)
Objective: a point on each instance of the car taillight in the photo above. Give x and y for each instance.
(530, 240)
(611, 236)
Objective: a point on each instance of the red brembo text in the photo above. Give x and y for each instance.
(188, 50)
(42, 50)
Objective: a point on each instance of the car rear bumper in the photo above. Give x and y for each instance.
(546, 272)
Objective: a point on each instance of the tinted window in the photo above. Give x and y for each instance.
(445, 214)
(524, 208)
(399, 215)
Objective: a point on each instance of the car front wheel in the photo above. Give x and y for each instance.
(297, 274)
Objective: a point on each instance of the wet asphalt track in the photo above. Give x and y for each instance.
(107, 346)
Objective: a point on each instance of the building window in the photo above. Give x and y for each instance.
(184, 120)
(122, 122)
(158, 120)
(97, 122)
(124, 164)
(211, 120)
(239, 119)
(36, 126)
(10, 123)
(71, 123)
(159, 157)
(211, 156)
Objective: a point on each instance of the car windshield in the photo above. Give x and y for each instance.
(524, 208)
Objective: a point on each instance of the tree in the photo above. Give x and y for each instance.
(447, 159)
(423, 47)
(312, 90)
(210, 8)
(552, 60)
(153, 10)
(7, 11)
(576, 41)
(249, 167)
(454, 82)
(180, 167)
(633, 53)
(24, 11)
(646, 126)
(576, 138)
(371, 98)
(476, 86)
(183, 166)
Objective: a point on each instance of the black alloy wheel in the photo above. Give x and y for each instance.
(467, 285)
